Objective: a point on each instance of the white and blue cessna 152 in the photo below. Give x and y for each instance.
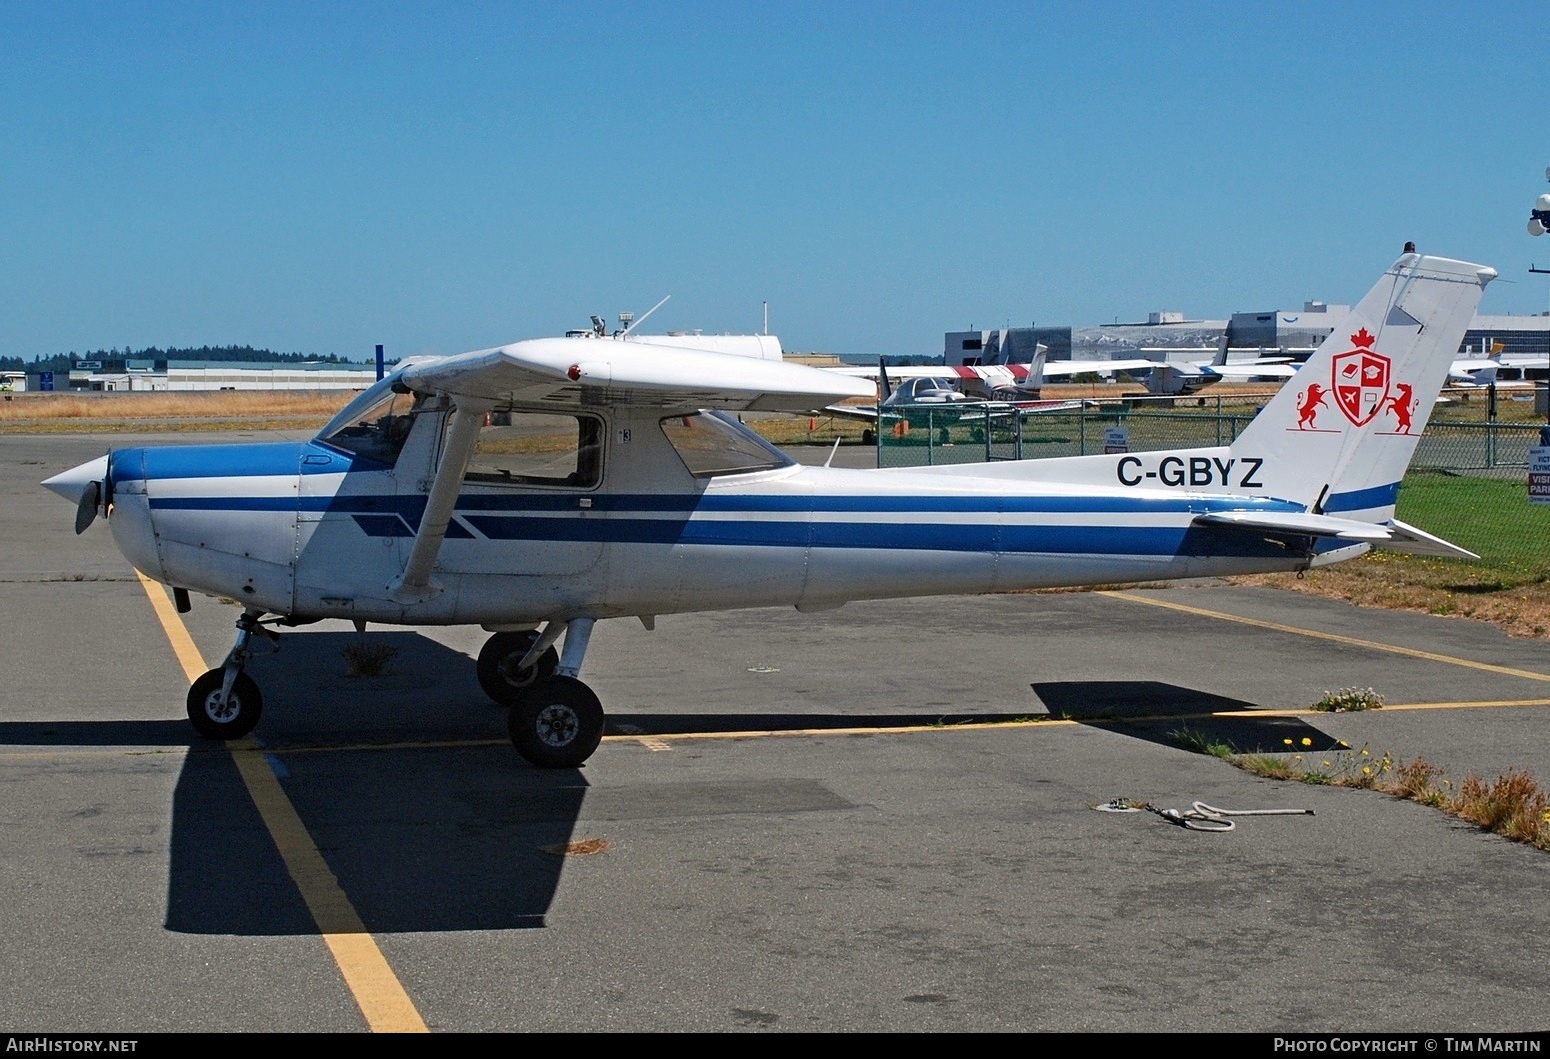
(538, 487)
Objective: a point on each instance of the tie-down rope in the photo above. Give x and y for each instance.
(1200, 817)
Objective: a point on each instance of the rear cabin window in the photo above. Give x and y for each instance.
(538, 448)
(711, 444)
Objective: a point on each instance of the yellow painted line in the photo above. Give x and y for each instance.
(662, 740)
(188, 655)
(366, 972)
(1141, 597)
(382, 999)
(776, 733)
(1465, 705)
(1391, 707)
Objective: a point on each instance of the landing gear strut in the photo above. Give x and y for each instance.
(555, 720)
(225, 703)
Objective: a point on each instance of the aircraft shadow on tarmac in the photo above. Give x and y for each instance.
(1173, 715)
(409, 787)
(430, 820)
(406, 783)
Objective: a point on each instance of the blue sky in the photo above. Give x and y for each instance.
(323, 177)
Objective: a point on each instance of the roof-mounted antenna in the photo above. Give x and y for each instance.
(637, 323)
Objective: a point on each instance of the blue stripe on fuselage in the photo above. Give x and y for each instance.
(520, 515)
(232, 461)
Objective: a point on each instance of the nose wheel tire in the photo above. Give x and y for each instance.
(232, 719)
(557, 723)
(498, 673)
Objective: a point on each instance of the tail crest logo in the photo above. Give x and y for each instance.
(1361, 380)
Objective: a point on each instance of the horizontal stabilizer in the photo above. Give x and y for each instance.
(1418, 542)
(1393, 536)
(1299, 523)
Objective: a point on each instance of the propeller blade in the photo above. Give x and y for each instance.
(86, 507)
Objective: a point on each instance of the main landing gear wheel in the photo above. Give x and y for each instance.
(498, 673)
(232, 719)
(556, 723)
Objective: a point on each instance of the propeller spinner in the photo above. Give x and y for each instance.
(87, 485)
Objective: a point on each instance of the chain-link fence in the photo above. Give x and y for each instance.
(1467, 481)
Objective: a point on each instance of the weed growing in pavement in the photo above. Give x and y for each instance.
(1514, 806)
(367, 659)
(1187, 738)
(1348, 700)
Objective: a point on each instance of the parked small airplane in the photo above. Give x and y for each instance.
(1185, 378)
(1007, 382)
(915, 400)
(1160, 376)
(536, 488)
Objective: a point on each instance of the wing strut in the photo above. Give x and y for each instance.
(414, 584)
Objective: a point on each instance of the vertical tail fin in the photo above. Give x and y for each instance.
(1339, 435)
(1033, 383)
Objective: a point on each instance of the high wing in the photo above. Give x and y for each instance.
(1267, 368)
(568, 371)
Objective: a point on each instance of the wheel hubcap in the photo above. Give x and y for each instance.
(557, 725)
(220, 711)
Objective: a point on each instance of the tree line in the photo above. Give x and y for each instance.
(63, 362)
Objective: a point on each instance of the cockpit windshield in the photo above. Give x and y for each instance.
(375, 424)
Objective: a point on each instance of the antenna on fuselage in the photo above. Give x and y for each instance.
(631, 323)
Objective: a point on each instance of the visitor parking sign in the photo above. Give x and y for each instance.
(1539, 474)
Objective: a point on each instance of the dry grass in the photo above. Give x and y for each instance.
(213, 409)
(1388, 582)
(1513, 805)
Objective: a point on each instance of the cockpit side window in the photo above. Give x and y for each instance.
(375, 425)
(712, 444)
(538, 448)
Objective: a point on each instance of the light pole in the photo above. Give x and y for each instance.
(1538, 224)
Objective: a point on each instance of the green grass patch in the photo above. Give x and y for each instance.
(1490, 516)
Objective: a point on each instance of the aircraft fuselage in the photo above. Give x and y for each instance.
(309, 530)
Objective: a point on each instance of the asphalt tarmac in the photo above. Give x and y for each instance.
(790, 827)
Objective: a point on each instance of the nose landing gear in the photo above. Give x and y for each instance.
(225, 703)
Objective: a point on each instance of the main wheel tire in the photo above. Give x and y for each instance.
(498, 673)
(557, 723)
(234, 718)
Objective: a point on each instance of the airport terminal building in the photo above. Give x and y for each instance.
(156, 376)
